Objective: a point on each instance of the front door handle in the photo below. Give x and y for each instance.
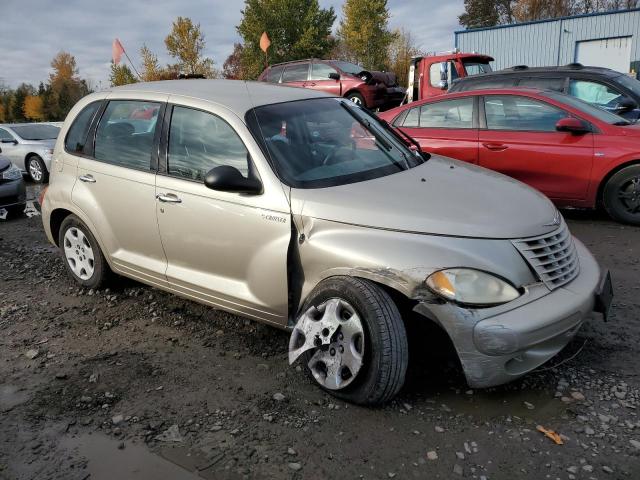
(168, 198)
(496, 147)
(87, 178)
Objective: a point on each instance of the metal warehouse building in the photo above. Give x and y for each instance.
(608, 39)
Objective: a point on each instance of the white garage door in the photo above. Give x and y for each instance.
(614, 53)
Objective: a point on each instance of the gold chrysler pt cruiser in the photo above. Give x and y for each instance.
(305, 211)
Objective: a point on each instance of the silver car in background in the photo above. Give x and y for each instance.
(29, 146)
(304, 211)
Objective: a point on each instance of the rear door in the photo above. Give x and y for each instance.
(295, 74)
(319, 79)
(116, 186)
(223, 248)
(446, 127)
(521, 140)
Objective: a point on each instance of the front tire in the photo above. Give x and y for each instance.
(621, 195)
(356, 98)
(81, 254)
(364, 358)
(37, 170)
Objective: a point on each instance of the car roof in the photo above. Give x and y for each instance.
(482, 91)
(239, 96)
(523, 70)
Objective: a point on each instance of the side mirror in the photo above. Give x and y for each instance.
(226, 178)
(334, 76)
(572, 125)
(625, 105)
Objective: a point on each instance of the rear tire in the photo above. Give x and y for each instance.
(621, 195)
(81, 254)
(385, 352)
(36, 169)
(356, 98)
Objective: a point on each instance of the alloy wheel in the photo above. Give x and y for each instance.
(629, 195)
(79, 254)
(35, 169)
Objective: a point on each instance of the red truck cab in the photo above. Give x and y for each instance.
(431, 75)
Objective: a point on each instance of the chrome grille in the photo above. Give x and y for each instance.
(552, 256)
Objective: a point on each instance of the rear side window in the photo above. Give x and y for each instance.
(512, 112)
(200, 141)
(77, 134)
(295, 73)
(273, 75)
(555, 84)
(125, 133)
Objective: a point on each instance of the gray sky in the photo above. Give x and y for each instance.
(33, 31)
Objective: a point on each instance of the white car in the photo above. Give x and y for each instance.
(29, 146)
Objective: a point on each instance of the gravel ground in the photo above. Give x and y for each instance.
(132, 382)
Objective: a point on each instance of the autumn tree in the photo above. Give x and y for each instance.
(401, 50)
(232, 67)
(21, 93)
(297, 29)
(65, 87)
(32, 108)
(151, 70)
(186, 44)
(121, 75)
(365, 33)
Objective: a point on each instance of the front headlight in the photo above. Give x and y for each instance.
(471, 287)
(12, 173)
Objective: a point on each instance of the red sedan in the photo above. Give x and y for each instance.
(576, 154)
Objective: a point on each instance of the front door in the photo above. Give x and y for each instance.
(521, 140)
(225, 249)
(11, 148)
(115, 189)
(319, 79)
(445, 127)
(295, 74)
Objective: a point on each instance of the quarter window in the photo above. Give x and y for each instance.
(321, 71)
(4, 135)
(200, 141)
(597, 94)
(511, 112)
(413, 118)
(77, 134)
(296, 73)
(125, 133)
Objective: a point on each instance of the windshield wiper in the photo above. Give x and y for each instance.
(399, 134)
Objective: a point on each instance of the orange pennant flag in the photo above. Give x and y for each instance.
(116, 51)
(264, 42)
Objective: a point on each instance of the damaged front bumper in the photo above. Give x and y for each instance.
(499, 344)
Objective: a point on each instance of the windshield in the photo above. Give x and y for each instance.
(37, 132)
(587, 108)
(327, 142)
(348, 67)
(473, 67)
(629, 83)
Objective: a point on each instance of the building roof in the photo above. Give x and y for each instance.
(238, 96)
(547, 20)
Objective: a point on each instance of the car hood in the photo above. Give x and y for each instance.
(441, 196)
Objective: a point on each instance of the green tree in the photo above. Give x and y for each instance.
(401, 50)
(121, 75)
(151, 70)
(64, 89)
(186, 44)
(479, 13)
(297, 29)
(21, 93)
(232, 67)
(365, 33)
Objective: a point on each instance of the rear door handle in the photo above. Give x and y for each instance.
(496, 147)
(168, 198)
(87, 178)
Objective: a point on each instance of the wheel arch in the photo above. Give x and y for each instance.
(355, 90)
(56, 217)
(29, 155)
(607, 177)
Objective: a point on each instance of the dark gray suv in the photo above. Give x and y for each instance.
(613, 91)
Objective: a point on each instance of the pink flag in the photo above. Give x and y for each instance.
(116, 51)
(264, 42)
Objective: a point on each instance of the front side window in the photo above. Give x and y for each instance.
(447, 114)
(77, 134)
(4, 135)
(125, 133)
(597, 94)
(295, 73)
(326, 142)
(321, 71)
(200, 141)
(274, 73)
(435, 75)
(37, 132)
(512, 112)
